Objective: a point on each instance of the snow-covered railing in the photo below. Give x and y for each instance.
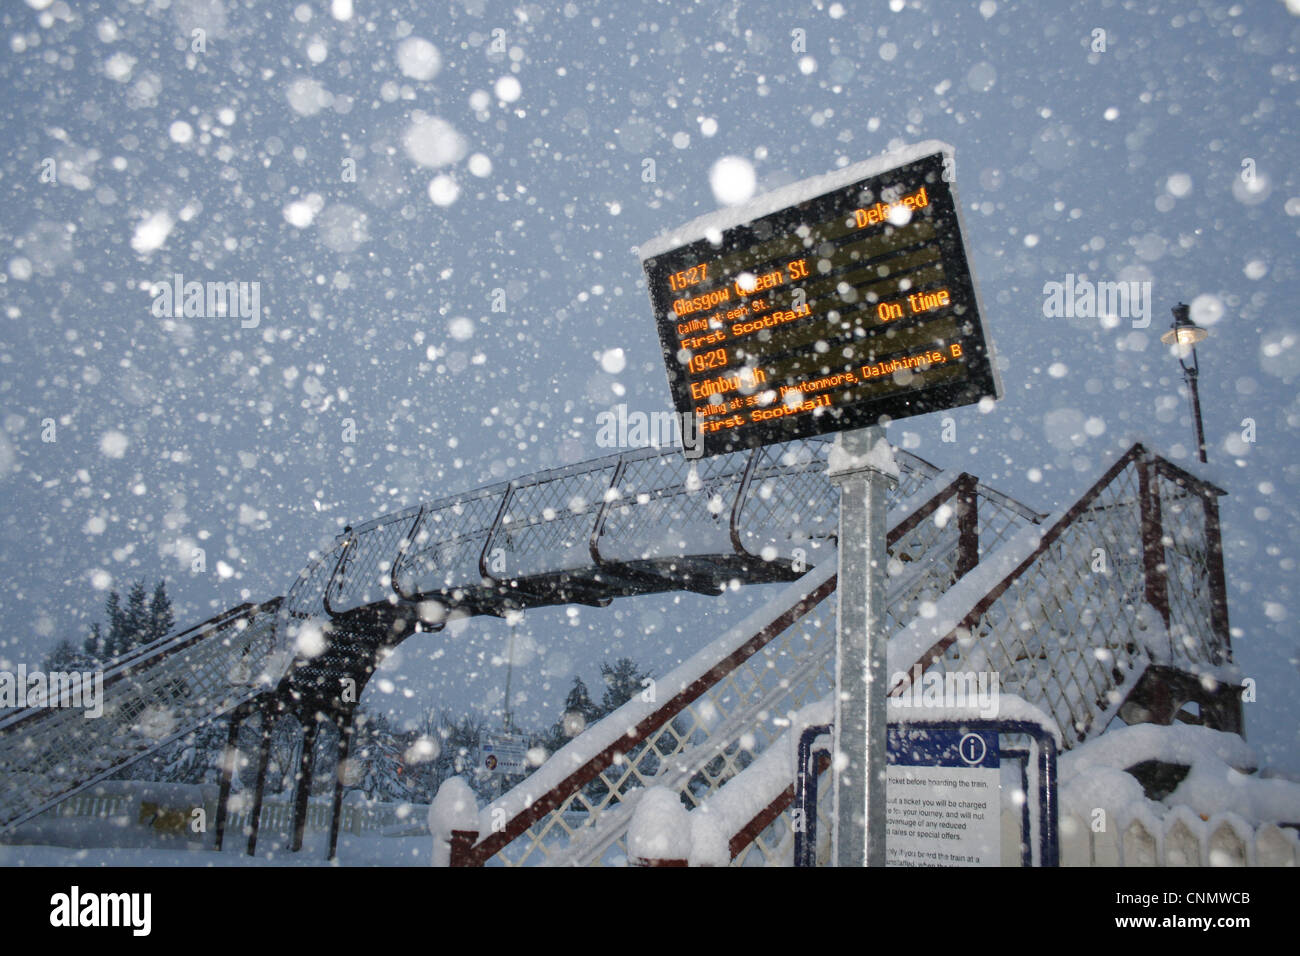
(1070, 615)
(1181, 837)
(151, 697)
(636, 522)
(89, 804)
(726, 705)
(728, 827)
(576, 807)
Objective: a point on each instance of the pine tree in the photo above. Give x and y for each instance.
(115, 644)
(579, 702)
(160, 617)
(94, 645)
(67, 657)
(383, 771)
(142, 620)
(623, 681)
(579, 713)
(136, 618)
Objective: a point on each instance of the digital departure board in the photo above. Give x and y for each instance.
(844, 309)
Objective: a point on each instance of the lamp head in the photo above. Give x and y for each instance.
(1183, 332)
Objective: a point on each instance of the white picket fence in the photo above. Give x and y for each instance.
(89, 805)
(376, 818)
(1179, 838)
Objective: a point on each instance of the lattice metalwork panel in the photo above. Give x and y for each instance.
(774, 846)
(53, 752)
(1000, 518)
(1062, 635)
(547, 524)
(790, 503)
(915, 584)
(1187, 559)
(669, 507)
(706, 744)
(305, 600)
(448, 541)
(718, 735)
(924, 562)
(913, 473)
(364, 574)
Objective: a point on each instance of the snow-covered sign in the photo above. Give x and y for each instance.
(503, 753)
(833, 303)
(943, 798)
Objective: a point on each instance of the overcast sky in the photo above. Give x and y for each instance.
(379, 193)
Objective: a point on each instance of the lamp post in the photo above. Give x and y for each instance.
(1183, 335)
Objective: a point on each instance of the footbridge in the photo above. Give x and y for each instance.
(977, 581)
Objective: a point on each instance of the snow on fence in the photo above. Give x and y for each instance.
(357, 819)
(91, 805)
(1179, 838)
(728, 704)
(1066, 638)
(720, 832)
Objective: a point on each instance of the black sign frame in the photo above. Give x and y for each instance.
(981, 379)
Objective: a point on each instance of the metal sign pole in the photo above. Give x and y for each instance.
(863, 466)
(510, 667)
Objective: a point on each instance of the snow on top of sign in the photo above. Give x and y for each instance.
(1009, 707)
(847, 456)
(715, 223)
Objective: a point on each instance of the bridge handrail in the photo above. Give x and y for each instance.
(1152, 470)
(635, 723)
(349, 544)
(139, 658)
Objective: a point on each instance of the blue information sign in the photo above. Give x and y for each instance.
(915, 746)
